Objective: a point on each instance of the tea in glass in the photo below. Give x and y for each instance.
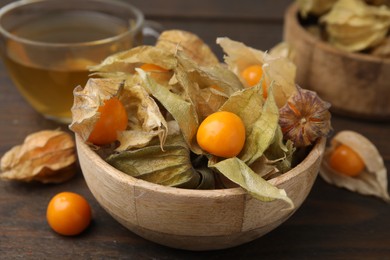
(48, 45)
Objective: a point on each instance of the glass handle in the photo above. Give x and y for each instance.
(151, 31)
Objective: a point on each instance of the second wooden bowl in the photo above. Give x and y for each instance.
(357, 85)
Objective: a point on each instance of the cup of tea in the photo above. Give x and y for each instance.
(47, 46)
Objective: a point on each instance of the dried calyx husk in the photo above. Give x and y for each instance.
(172, 167)
(283, 49)
(47, 156)
(372, 180)
(305, 118)
(189, 43)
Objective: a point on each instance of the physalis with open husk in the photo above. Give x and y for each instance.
(46, 156)
(277, 69)
(144, 120)
(354, 163)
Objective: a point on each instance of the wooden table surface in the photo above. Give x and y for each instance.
(332, 223)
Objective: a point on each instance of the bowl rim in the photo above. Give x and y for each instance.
(292, 15)
(316, 151)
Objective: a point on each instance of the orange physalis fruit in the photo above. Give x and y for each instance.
(68, 213)
(216, 87)
(346, 161)
(222, 134)
(152, 68)
(252, 76)
(156, 72)
(112, 119)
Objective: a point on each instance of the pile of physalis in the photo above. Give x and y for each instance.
(172, 114)
(350, 25)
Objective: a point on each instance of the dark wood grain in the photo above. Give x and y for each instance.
(332, 223)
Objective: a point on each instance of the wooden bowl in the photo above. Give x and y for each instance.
(194, 219)
(357, 85)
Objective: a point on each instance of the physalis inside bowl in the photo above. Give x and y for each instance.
(142, 108)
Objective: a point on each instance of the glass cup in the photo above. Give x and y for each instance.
(47, 45)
